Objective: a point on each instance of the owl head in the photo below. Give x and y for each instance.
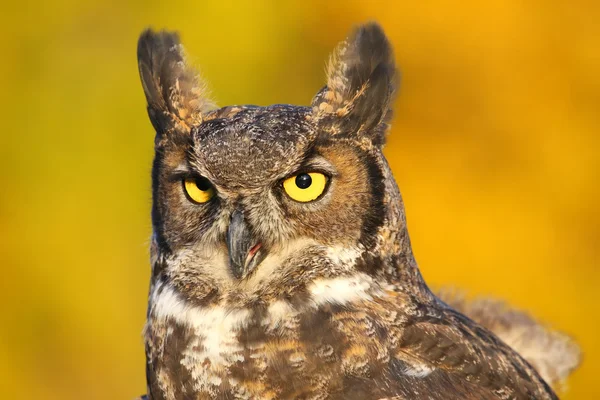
(254, 203)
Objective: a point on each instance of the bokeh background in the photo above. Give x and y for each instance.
(495, 146)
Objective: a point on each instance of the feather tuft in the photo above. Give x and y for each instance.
(175, 94)
(361, 86)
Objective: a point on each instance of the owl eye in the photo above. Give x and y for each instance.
(305, 187)
(198, 189)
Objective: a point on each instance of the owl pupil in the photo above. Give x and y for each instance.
(203, 183)
(303, 181)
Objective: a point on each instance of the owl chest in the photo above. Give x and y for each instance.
(222, 355)
(235, 355)
(324, 352)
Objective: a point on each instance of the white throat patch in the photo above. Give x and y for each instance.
(343, 290)
(217, 325)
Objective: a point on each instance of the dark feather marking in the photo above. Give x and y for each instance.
(157, 215)
(376, 209)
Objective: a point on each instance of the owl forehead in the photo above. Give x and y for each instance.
(253, 147)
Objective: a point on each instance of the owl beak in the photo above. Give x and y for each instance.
(245, 252)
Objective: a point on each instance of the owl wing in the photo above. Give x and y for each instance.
(552, 353)
(434, 349)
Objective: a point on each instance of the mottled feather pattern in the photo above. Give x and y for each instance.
(336, 308)
(553, 354)
(364, 349)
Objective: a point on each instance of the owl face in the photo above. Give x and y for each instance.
(253, 202)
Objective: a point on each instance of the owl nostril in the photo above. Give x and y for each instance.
(250, 258)
(253, 251)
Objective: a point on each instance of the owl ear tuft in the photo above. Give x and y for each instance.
(361, 84)
(175, 93)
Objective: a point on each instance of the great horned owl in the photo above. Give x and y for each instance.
(281, 262)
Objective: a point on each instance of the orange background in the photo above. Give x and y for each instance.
(494, 146)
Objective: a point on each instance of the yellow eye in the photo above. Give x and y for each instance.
(198, 189)
(305, 187)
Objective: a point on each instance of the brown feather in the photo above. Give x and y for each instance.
(553, 354)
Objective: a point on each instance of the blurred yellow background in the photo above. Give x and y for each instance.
(494, 146)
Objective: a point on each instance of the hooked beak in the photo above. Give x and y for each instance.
(245, 252)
